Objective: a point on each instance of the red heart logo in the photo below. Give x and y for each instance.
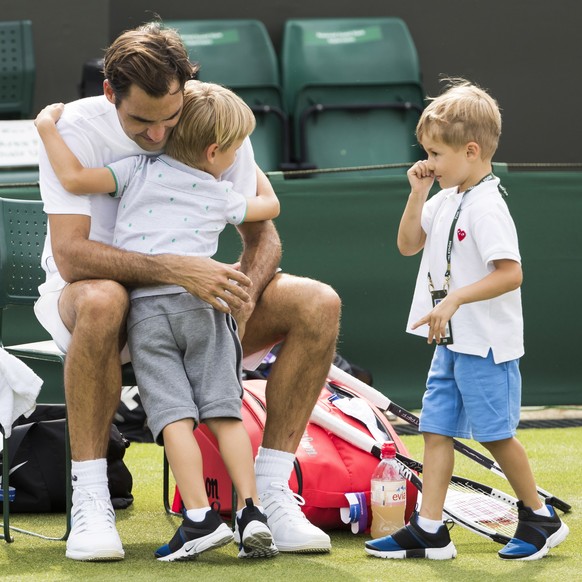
(461, 234)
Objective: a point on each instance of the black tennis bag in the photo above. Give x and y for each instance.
(38, 469)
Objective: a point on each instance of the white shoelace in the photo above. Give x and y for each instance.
(280, 502)
(92, 513)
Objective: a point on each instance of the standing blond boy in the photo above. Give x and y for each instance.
(467, 299)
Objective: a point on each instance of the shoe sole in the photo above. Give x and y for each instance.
(258, 546)
(191, 550)
(555, 539)
(96, 556)
(447, 553)
(258, 542)
(304, 549)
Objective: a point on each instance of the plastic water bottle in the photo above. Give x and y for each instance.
(388, 490)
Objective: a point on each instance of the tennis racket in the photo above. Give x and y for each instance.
(479, 508)
(356, 386)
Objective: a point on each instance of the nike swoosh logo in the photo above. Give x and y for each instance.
(12, 470)
(17, 467)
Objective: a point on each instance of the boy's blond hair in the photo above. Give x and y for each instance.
(211, 114)
(462, 114)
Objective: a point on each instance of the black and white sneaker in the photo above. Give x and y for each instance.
(411, 541)
(194, 537)
(535, 535)
(256, 539)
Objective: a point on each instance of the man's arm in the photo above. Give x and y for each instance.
(261, 245)
(260, 257)
(79, 258)
(261, 254)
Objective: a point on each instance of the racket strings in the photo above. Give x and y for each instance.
(481, 509)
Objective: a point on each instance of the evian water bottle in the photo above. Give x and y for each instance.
(388, 490)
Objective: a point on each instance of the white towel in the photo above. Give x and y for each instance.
(19, 388)
(360, 409)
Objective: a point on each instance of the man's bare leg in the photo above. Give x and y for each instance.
(304, 315)
(95, 311)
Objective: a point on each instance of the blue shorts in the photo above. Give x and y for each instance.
(471, 397)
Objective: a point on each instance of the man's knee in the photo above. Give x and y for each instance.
(102, 303)
(319, 304)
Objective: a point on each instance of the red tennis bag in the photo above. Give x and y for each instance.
(326, 467)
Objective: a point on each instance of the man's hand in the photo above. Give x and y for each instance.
(242, 315)
(221, 285)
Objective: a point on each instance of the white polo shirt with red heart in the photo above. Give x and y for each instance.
(484, 232)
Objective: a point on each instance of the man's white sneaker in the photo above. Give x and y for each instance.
(93, 534)
(292, 532)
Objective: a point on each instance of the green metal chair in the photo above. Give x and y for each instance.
(23, 226)
(17, 69)
(353, 88)
(239, 54)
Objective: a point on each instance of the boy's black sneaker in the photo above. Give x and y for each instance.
(535, 535)
(411, 541)
(256, 539)
(194, 537)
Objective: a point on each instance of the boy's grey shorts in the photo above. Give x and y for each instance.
(187, 360)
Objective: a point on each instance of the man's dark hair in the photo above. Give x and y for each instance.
(151, 57)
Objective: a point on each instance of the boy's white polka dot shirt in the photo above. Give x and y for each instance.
(168, 207)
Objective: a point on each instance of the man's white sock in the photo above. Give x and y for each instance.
(90, 476)
(272, 466)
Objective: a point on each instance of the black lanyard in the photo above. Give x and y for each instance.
(502, 190)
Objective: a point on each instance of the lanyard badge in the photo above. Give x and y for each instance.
(437, 296)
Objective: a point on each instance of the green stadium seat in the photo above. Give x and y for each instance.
(239, 54)
(17, 69)
(23, 226)
(353, 89)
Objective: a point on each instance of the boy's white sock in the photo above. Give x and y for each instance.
(91, 476)
(543, 510)
(272, 466)
(197, 514)
(429, 525)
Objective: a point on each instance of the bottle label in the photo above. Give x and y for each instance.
(388, 492)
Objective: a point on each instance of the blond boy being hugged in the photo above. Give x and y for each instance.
(186, 354)
(467, 300)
